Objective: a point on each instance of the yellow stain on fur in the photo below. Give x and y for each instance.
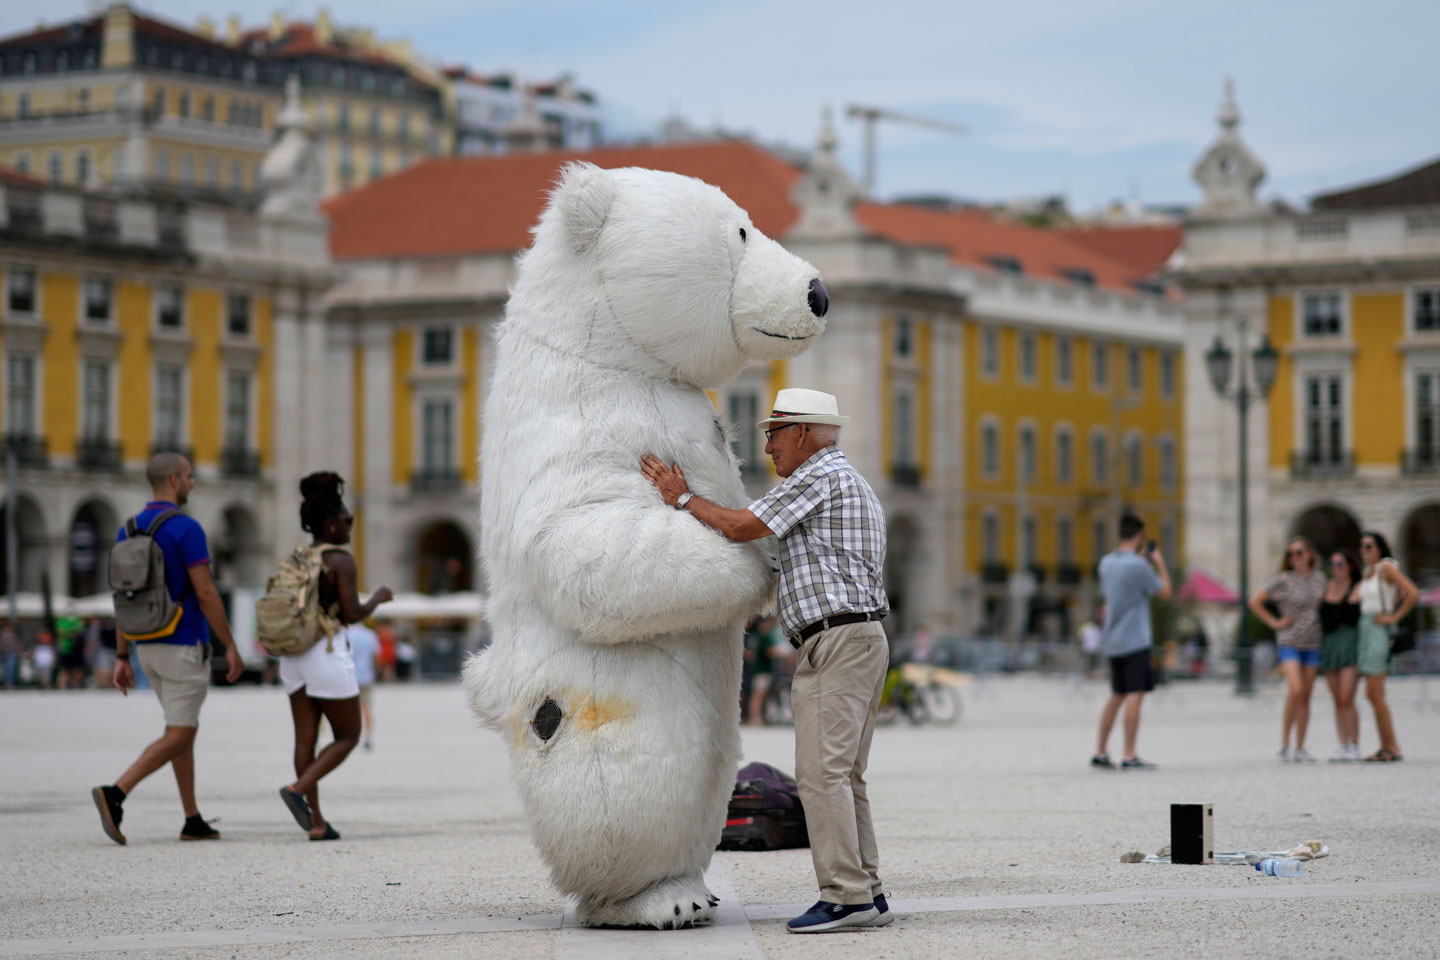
(594, 714)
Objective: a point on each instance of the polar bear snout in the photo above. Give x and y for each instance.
(819, 298)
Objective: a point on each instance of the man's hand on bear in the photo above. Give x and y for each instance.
(670, 481)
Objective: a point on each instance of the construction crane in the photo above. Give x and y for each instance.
(869, 115)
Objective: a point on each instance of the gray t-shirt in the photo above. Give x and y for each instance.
(1127, 580)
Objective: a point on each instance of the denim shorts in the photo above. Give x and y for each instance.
(1307, 658)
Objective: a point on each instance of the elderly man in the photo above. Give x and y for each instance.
(832, 551)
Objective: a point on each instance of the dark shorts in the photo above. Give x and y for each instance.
(1132, 673)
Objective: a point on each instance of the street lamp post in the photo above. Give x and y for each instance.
(1263, 362)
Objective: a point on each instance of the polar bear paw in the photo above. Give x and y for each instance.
(668, 905)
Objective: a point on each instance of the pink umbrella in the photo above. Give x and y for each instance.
(1201, 587)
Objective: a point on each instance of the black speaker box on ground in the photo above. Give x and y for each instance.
(1192, 833)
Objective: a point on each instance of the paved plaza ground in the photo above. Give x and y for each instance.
(996, 838)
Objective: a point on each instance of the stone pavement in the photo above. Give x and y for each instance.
(996, 838)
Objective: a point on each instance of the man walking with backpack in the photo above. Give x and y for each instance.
(164, 599)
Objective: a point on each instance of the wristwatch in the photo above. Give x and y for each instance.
(684, 499)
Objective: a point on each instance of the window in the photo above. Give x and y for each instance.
(20, 290)
(347, 165)
(95, 404)
(1029, 541)
(1166, 447)
(1099, 458)
(1099, 539)
(23, 108)
(1133, 371)
(1320, 314)
(1064, 361)
(1027, 357)
(237, 176)
(237, 314)
(82, 166)
(437, 453)
(187, 169)
(404, 125)
(169, 409)
(1324, 419)
(1064, 541)
(82, 97)
(1099, 372)
(376, 166)
(1167, 541)
(374, 121)
(1026, 454)
(343, 119)
(158, 104)
(182, 106)
(990, 538)
(55, 166)
(162, 165)
(212, 173)
(1427, 417)
(1167, 374)
(207, 109)
(902, 336)
(237, 410)
(1427, 310)
(98, 293)
(439, 349)
(990, 352)
(744, 411)
(20, 394)
(170, 307)
(989, 449)
(1134, 460)
(904, 428)
(1064, 456)
(120, 165)
(22, 162)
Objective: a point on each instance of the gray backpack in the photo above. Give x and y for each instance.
(144, 608)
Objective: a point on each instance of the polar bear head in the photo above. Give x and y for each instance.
(666, 274)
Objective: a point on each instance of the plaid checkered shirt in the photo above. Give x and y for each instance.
(832, 541)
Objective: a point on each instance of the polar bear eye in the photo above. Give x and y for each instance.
(742, 234)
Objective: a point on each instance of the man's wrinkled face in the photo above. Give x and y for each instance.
(784, 445)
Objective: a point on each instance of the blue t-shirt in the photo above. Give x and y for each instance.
(1127, 581)
(182, 540)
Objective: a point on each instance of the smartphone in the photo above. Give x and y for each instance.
(1149, 547)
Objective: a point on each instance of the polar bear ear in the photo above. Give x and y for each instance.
(584, 196)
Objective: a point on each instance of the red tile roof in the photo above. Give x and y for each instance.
(474, 205)
(300, 39)
(1144, 249)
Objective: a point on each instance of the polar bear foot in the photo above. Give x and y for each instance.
(667, 905)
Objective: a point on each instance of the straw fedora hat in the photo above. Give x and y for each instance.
(798, 405)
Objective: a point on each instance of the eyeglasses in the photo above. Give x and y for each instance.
(770, 434)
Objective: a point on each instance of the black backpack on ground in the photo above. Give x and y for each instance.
(765, 812)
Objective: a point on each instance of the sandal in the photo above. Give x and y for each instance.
(1384, 756)
(299, 809)
(330, 834)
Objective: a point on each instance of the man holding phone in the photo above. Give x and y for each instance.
(1129, 576)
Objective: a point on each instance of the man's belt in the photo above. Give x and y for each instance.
(838, 620)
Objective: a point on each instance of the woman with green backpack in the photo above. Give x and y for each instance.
(302, 620)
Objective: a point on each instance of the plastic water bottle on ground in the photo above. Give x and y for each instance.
(1279, 867)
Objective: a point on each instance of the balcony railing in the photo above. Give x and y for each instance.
(161, 446)
(239, 462)
(30, 450)
(1420, 461)
(1067, 574)
(97, 453)
(994, 574)
(1319, 464)
(435, 478)
(905, 475)
(1037, 572)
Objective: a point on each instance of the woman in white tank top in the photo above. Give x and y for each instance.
(1385, 596)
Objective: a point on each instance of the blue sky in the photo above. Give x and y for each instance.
(1096, 99)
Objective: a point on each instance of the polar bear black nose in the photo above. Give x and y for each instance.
(819, 299)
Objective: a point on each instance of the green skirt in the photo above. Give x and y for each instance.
(1340, 649)
(1374, 658)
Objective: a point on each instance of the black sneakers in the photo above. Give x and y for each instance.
(1135, 763)
(197, 829)
(108, 801)
(1102, 761)
(884, 917)
(825, 916)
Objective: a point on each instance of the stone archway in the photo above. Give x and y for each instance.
(1419, 545)
(31, 544)
(1329, 527)
(91, 535)
(444, 559)
(238, 552)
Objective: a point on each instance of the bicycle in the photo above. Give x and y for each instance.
(922, 693)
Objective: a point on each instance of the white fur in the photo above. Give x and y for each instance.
(637, 293)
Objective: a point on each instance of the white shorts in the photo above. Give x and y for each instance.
(324, 675)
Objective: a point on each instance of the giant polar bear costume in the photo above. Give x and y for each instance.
(614, 672)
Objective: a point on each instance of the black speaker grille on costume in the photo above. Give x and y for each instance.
(547, 720)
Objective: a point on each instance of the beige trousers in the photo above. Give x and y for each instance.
(835, 693)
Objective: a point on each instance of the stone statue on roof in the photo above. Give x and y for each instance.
(290, 175)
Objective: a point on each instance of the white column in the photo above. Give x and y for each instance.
(383, 544)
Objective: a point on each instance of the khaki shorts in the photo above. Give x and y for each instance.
(180, 675)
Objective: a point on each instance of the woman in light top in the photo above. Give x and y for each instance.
(1385, 596)
(1296, 591)
(1339, 649)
